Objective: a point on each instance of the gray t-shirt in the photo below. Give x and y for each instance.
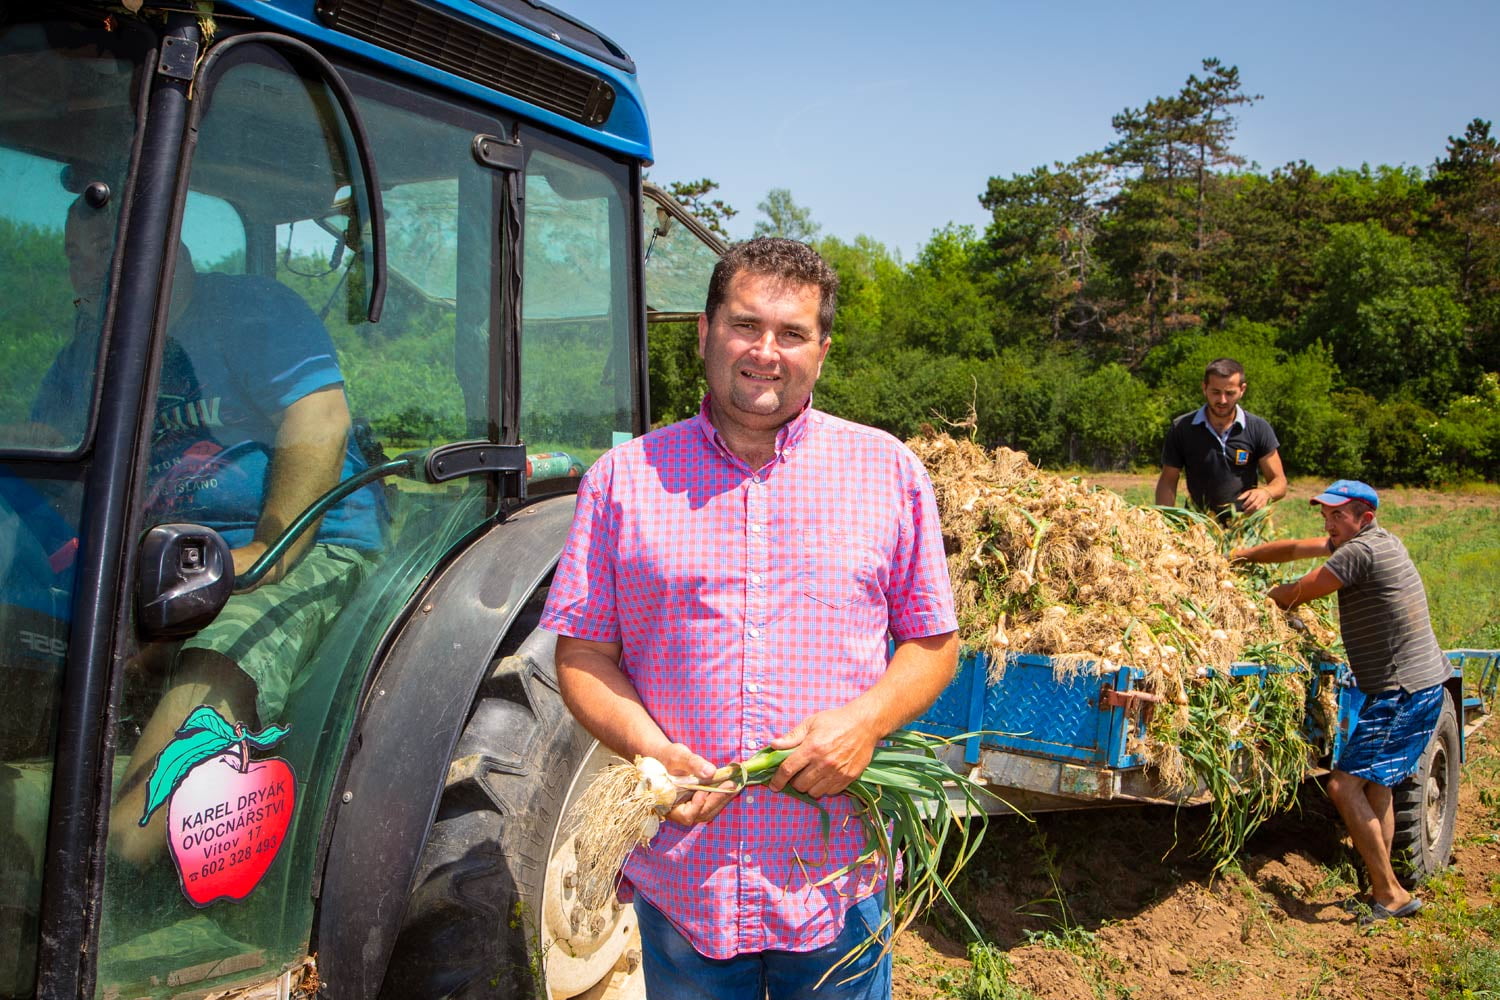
(1383, 615)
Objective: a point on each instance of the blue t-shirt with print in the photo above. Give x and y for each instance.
(243, 350)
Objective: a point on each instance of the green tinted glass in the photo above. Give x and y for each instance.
(273, 388)
(58, 82)
(576, 371)
(55, 248)
(678, 261)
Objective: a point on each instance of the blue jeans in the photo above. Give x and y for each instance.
(676, 971)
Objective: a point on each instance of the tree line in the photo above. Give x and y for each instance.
(1364, 304)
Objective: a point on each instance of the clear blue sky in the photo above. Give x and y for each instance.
(888, 119)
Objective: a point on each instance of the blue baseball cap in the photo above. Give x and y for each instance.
(1345, 490)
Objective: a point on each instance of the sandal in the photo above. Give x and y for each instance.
(1379, 913)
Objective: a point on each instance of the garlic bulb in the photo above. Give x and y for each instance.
(656, 782)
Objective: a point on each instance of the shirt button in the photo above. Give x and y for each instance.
(755, 528)
(752, 687)
(755, 578)
(755, 633)
(749, 799)
(755, 479)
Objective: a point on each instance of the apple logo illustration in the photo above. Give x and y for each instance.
(227, 815)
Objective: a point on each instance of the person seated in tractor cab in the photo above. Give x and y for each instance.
(251, 427)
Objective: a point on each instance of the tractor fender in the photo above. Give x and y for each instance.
(404, 739)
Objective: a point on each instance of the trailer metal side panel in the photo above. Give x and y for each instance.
(1032, 712)
(1047, 739)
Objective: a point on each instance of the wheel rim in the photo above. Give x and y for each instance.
(1434, 796)
(588, 954)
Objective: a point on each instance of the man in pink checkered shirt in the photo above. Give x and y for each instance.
(733, 581)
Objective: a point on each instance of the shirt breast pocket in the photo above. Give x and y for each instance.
(837, 569)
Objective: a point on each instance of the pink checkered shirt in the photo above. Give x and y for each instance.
(744, 601)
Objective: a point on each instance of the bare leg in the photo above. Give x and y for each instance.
(1383, 803)
(204, 678)
(1368, 814)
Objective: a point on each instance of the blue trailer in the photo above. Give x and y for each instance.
(1055, 743)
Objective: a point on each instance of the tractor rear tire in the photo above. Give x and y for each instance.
(1426, 805)
(489, 916)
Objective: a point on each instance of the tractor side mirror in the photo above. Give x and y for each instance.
(186, 575)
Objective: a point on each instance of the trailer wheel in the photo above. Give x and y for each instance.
(492, 913)
(1426, 805)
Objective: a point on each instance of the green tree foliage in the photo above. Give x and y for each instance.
(1164, 229)
(1040, 246)
(785, 218)
(1394, 198)
(1364, 303)
(39, 313)
(1467, 439)
(399, 373)
(1109, 418)
(1017, 400)
(1466, 226)
(1273, 226)
(714, 213)
(940, 303)
(868, 275)
(1388, 314)
(676, 371)
(1396, 438)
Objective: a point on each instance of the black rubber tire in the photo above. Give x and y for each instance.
(472, 925)
(1426, 805)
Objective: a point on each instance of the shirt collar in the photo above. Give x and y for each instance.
(1201, 417)
(1371, 528)
(788, 437)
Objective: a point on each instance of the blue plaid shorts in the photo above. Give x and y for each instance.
(1391, 734)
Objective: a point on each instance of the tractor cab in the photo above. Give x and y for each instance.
(291, 321)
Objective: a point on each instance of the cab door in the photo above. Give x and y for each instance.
(279, 542)
(76, 96)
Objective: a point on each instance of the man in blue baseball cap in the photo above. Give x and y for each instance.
(1397, 664)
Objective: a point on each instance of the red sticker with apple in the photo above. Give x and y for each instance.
(227, 814)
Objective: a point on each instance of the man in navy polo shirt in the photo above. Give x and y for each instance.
(1397, 665)
(1222, 448)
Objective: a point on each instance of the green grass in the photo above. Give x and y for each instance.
(1457, 942)
(1216, 972)
(1343, 875)
(1470, 972)
(1074, 940)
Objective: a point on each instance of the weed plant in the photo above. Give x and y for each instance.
(989, 976)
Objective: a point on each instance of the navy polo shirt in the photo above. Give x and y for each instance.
(1218, 470)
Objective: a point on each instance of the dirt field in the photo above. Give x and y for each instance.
(1139, 917)
(1112, 904)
